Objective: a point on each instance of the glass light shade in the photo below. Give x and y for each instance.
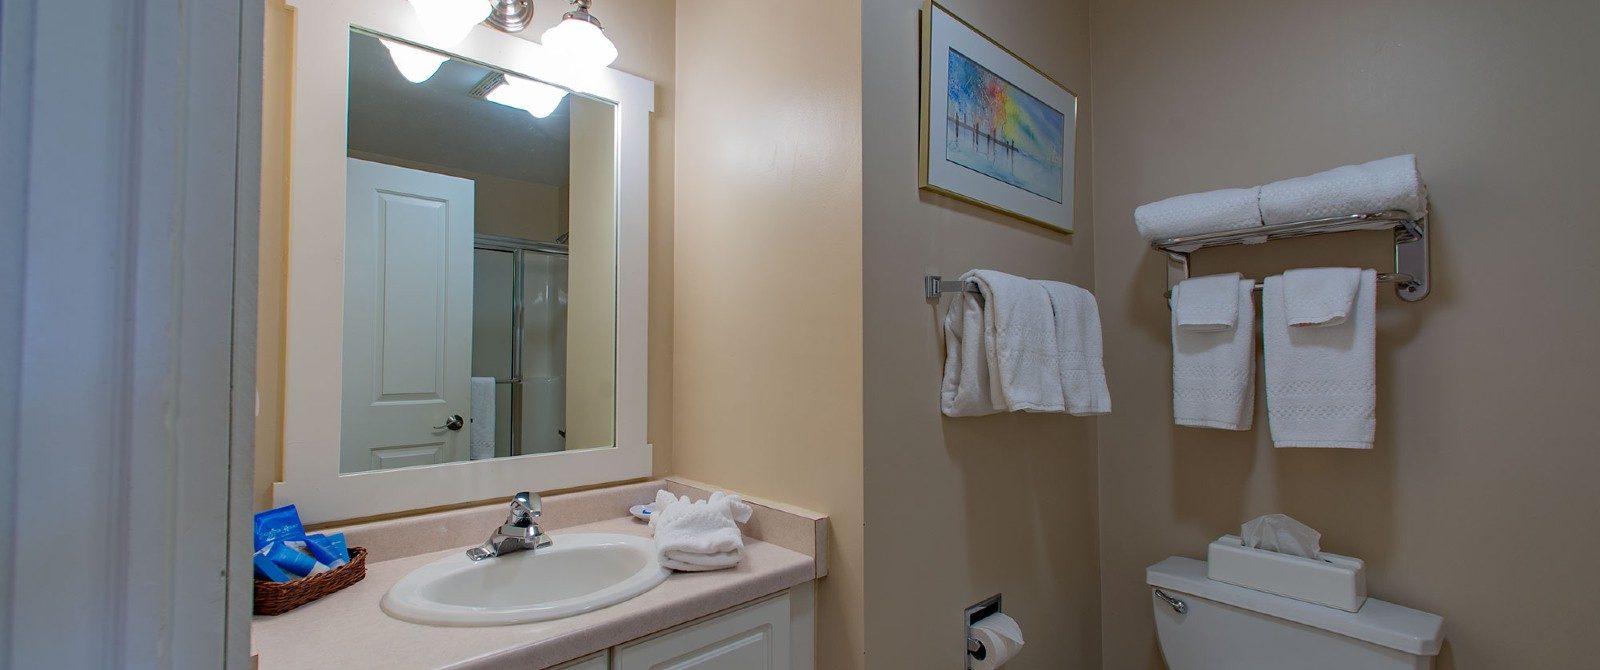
(447, 22)
(580, 43)
(416, 65)
(536, 98)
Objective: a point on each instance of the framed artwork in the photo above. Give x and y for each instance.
(996, 131)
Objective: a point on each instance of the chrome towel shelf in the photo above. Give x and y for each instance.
(1410, 275)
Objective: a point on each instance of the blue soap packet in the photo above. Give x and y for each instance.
(287, 556)
(323, 550)
(267, 570)
(276, 525)
(337, 540)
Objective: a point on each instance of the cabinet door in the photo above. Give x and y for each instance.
(600, 660)
(754, 637)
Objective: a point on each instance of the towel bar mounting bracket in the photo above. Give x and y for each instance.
(1410, 275)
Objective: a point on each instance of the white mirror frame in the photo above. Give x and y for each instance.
(315, 288)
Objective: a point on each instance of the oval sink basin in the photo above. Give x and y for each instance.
(581, 572)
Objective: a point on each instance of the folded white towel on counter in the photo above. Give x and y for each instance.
(1079, 349)
(1389, 183)
(1214, 371)
(480, 437)
(1206, 304)
(1322, 382)
(1316, 297)
(1019, 337)
(1208, 212)
(696, 536)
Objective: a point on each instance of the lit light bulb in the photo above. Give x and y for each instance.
(447, 22)
(416, 65)
(581, 43)
(533, 97)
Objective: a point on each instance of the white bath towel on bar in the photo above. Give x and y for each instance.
(1079, 349)
(965, 391)
(1321, 382)
(1016, 335)
(481, 436)
(1214, 371)
(1385, 184)
(1208, 212)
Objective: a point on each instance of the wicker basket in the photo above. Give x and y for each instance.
(277, 598)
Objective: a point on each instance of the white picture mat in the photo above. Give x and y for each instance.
(947, 33)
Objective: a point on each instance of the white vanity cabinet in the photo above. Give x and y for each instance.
(600, 660)
(752, 637)
(774, 633)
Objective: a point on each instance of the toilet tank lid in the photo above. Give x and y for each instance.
(1381, 623)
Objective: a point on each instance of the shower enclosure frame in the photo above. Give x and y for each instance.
(517, 247)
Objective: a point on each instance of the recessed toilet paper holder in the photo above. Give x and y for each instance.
(974, 614)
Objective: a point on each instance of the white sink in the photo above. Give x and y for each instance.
(581, 572)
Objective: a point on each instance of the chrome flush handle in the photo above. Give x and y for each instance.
(1174, 603)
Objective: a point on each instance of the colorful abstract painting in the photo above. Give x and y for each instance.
(996, 129)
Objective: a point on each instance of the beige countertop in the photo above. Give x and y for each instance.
(348, 629)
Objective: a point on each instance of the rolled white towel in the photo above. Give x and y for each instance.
(1195, 213)
(1385, 184)
(700, 535)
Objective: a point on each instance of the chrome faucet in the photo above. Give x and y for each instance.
(519, 533)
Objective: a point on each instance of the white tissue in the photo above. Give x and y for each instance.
(1280, 533)
(1001, 638)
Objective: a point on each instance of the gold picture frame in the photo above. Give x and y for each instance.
(977, 176)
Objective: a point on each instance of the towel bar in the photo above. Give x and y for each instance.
(1410, 275)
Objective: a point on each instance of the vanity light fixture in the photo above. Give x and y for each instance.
(415, 64)
(580, 39)
(447, 22)
(511, 15)
(534, 97)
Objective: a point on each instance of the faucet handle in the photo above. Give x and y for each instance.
(524, 506)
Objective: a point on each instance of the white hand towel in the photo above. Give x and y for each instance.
(1214, 372)
(700, 535)
(1083, 374)
(1322, 382)
(1389, 183)
(481, 436)
(1019, 332)
(1315, 297)
(1207, 304)
(1208, 212)
(965, 391)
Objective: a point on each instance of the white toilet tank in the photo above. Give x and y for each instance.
(1227, 627)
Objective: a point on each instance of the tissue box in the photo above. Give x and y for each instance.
(1333, 581)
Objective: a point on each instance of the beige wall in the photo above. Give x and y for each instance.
(963, 508)
(1479, 501)
(643, 32)
(767, 339)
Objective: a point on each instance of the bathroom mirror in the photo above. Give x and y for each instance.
(465, 296)
(480, 262)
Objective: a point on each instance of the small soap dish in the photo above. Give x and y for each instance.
(1333, 581)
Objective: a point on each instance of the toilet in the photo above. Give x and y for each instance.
(1209, 625)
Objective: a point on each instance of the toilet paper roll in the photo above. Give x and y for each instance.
(1001, 638)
